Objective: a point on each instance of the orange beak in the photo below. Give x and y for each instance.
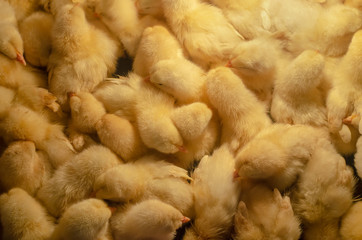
(113, 209)
(228, 64)
(185, 220)
(20, 58)
(236, 174)
(348, 120)
(182, 149)
(71, 94)
(147, 79)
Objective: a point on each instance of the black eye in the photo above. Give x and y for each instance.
(160, 84)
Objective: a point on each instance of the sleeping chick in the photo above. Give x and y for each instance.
(248, 17)
(216, 196)
(22, 217)
(24, 167)
(151, 219)
(150, 51)
(286, 150)
(87, 219)
(256, 69)
(297, 98)
(351, 222)
(265, 214)
(121, 136)
(121, 17)
(11, 43)
(22, 123)
(119, 95)
(180, 78)
(242, 115)
(323, 192)
(35, 31)
(74, 180)
(146, 178)
(72, 66)
(153, 109)
(202, 29)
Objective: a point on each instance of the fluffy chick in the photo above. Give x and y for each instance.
(22, 217)
(151, 219)
(180, 78)
(35, 31)
(241, 113)
(286, 150)
(87, 219)
(265, 214)
(144, 179)
(202, 29)
(121, 18)
(11, 43)
(82, 54)
(153, 109)
(323, 192)
(22, 123)
(24, 8)
(121, 136)
(297, 98)
(351, 222)
(150, 51)
(74, 180)
(216, 196)
(22, 166)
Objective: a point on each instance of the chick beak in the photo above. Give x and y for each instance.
(113, 209)
(185, 220)
(20, 58)
(228, 64)
(348, 120)
(71, 94)
(236, 175)
(97, 15)
(182, 149)
(147, 79)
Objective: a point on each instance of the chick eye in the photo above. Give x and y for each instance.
(160, 84)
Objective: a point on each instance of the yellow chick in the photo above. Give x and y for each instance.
(351, 222)
(241, 113)
(87, 219)
(74, 180)
(202, 29)
(286, 150)
(297, 98)
(36, 33)
(121, 136)
(216, 196)
(24, 167)
(82, 54)
(150, 51)
(22, 217)
(265, 214)
(11, 43)
(148, 219)
(23, 8)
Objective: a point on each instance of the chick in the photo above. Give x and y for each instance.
(11, 43)
(180, 78)
(351, 222)
(7, 96)
(22, 166)
(297, 98)
(82, 54)
(149, 7)
(157, 131)
(121, 136)
(22, 123)
(242, 115)
(74, 180)
(144, 179)
(202, 29)
(286, 150)
(323, 192)
(265, 214)
(151, 219)
(87, 219)
(248, 17)
(35, 31)
(121, 18)
(358, 157)
(150, 51)
(22, 217)
(216, 196)
(23, 8)
(256, 69)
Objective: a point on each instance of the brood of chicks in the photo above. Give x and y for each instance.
(235, 119)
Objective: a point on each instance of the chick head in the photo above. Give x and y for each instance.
(11, 45)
